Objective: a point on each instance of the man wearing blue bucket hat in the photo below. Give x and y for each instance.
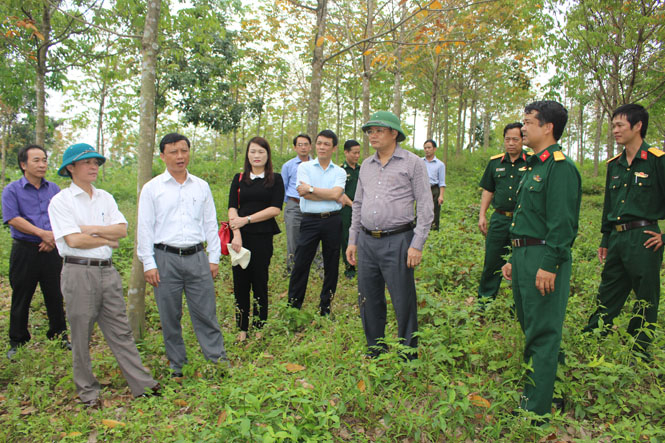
(87, 226)
(386, 234)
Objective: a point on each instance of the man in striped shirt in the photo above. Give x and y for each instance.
(386, 234)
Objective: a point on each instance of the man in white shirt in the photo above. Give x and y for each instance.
(86, 226)
(176, 215)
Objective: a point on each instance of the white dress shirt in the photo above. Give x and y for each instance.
(72, 208)
(178, 215)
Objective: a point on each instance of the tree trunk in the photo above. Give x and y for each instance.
(432, 100)
(99, 143)
(596, 141)
(40, 78)
(367, 75)
(472, 123)
(580, 149)
(5, 143)
(486, 130)
(317, 69)
(149, 50)
(460, 125)
(281, 131)
(446, 113)
(610, 138)
(413, 136)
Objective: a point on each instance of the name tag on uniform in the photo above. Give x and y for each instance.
(500, 169)
(537, 178)
(523, 168)
(641, 174)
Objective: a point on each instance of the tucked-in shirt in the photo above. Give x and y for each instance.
(436, 171)
(386, 193)
(635, 192)
(314, 175)
(548, 205)
(253, 197)
(502, 177)
(290, 177)
(178, 215)
(20, 198)
(72, 208)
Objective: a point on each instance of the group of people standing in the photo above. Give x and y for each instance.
(379, 214)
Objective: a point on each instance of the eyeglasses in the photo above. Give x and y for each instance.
(377, 131)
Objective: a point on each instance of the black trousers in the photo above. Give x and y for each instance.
(254, 277)
(27, 267)
(313, 230)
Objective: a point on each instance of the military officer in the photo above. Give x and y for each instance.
(542, 232)
(352, 169)
(631, 242)
(499, 183)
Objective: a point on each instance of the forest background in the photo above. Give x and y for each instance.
(119, 74)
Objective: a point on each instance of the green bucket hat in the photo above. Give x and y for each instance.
(79, 151)
(387, 120)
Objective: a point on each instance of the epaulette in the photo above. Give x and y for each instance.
(657, 152)
(558, 156)
(494, 157)
(615, 157)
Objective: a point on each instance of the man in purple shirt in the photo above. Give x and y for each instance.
(387, 235)
(34, 258)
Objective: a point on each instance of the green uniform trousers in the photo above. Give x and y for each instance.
(629, 265)
(497, 244)
(346, 224)
(541, 319)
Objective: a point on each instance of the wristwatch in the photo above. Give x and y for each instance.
(249, 219)
(311, 189)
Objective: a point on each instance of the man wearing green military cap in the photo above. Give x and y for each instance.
(499, 183)
(631, 242)
(386, 234)
(542, 232)
(87, 226)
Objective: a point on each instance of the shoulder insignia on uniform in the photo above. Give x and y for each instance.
(657, 152)
(529, 153)
(558, 156)
(494, 157)
(615, 157)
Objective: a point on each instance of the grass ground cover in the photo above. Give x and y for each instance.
(306, 379)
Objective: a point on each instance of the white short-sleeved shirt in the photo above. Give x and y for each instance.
(72, 208)
(178, 215)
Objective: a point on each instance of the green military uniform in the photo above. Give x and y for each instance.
(502, 177)
(543, 229)
(634, 202)
(350, 191)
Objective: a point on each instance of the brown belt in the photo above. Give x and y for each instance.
(379, 234)
(88, 261)
(320, 214)
(633, 225)
(293, 199)
(526, 241)
(180, 251)
(506, 213)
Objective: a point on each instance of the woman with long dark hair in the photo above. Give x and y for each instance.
(255, 199)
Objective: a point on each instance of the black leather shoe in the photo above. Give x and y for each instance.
(12, 352)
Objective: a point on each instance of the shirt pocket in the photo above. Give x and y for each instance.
(615, 184)
(534, 186)
(641, 180)
(195, 207)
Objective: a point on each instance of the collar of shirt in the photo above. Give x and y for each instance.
(434, 160)
(76, 190)
(346, 165)
(166, 176)
(316, 162)
(546, 153)
(253, 176)
(641, 154)
(506, 158)
(399, 153)
(25, 182)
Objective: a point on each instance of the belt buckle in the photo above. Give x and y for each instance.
(325, 214)
(376, 234)
(620, 228)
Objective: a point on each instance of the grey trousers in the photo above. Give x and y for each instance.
(191, 274)
(292, 219)
(94, 294)
(381, 263)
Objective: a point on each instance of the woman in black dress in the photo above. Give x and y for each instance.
(254, 202)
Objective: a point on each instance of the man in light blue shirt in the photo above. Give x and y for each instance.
(320, 185)
(436, 170)
(302, 144)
